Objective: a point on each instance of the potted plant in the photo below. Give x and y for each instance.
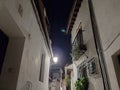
(82, 84)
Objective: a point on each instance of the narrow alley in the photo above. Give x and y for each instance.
(59, 45)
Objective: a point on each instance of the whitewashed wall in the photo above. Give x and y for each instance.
(108, 21)
(95, 82)
(26, 27)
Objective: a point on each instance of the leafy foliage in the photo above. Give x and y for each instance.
(76, 53)
(68, 81)
(82, 84)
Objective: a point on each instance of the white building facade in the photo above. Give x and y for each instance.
(69, 72)
(99, 22)
(55, 82)
(108, 21)
(28, 53)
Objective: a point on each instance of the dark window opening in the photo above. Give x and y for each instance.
(92, 67)
(116, 62)
(119, 59)
(82, 71)
(3, 47)
(78, 41)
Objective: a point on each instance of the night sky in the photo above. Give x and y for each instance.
(58, 14)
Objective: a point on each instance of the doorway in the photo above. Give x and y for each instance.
(12, 41)
(3, 47)
(116, 63)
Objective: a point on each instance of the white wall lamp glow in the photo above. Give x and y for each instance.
(55, 59)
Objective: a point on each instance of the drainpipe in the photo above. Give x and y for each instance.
(98, 47)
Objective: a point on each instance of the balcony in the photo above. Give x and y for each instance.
(78, 48)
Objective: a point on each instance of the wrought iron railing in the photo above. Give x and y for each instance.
(78, 47)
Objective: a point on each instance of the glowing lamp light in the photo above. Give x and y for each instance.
(55, 59)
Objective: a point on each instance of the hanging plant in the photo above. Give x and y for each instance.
(82, 84)
(76, 53)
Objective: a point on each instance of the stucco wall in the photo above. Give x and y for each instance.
(84, 17)
(10, 69)
(34, 44)
(108, 21)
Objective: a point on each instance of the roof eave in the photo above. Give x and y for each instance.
(73, 15)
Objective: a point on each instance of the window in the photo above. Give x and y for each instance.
(82, 70)
(42, 67)
(119, 59)
(78, 48)
(116, 63)
(92, 67)
(78, 39)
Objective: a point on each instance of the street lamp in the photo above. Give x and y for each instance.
(55, 59)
